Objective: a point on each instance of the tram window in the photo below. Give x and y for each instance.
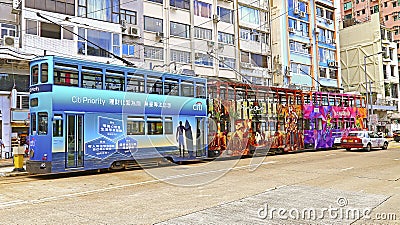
(299, 101)
(300, 124)
(135, 125)
(154, 125)
(33, 124)
(319, 123)
(92, 80)
(200, 90)
(331, 100)
(42, 123)
(35, 74)
(34, 102)
(307, 124)
(154, 85)
(345, 102)
(136, 84)
(57, 125)
(340, 124)
(115, 83)
(67, 78)
(171, 87)
(187, 89)
(44, 73)
(272, 125)
(358, 102)
(283, 99)
(351, 102)
(306, 99)
(325, 100)
(168, 125)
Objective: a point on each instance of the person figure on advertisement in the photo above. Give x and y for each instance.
(180, 139)
(1, 148)
(189, 138)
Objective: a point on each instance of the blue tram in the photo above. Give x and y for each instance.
(87, 115)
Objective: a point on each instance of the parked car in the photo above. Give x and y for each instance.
(364, 140)
(396, 135)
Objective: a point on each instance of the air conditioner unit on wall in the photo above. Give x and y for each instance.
(328, 21)
(245, 65)
(133, 31)
(296, 11)
(290, 29)
(303, 14)
(10, 41)
(159, 35)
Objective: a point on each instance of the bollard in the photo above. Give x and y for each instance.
(19, 158)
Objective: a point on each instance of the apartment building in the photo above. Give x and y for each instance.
(305, 44)
(369, 56)
(358, 11)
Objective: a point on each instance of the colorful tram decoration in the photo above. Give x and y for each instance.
(87, 115)
(244, 119)
(331, 115)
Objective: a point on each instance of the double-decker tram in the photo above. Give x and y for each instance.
(247, 119)
(329, 116)
(87, 115)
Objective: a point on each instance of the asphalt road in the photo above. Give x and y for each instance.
(323, 187)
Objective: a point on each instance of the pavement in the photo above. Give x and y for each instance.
(7, 168)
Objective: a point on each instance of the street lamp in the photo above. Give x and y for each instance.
(366, 88)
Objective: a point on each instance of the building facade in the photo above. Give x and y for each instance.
(305, 44)
(358, 11)
(369, 56)
(209, 38)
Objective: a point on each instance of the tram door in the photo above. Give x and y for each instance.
(200, 137)
(74, 140)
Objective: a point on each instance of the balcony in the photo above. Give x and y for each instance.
(385, 104)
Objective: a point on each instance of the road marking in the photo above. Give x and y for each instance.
(84, 193)
(396, 159)
(330, 154)
(349, 168)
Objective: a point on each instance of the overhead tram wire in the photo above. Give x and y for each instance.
(128, 63)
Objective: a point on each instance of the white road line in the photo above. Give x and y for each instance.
(349, 168)
(397, 159)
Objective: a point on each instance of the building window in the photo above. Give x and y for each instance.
(203, 59)
(180, 30)
(156, 1)
(128, 16)
(182, 4)
(22, 102)
(180, 56)
(225, 62)
(332, 74)
(106, 40)
(153, 24)
(244, 57)
(225, 38)
(8, 30)
(225, 14)
(259, 60)
(249, 15)
(326, 54)
(58, 6)
(320, 12)
(322, 72)
(347, 5)
(299, 47)
(153, 52)
(202, 33)
(129, 50)
(202, 9)
(105, 10)
(49, 30)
